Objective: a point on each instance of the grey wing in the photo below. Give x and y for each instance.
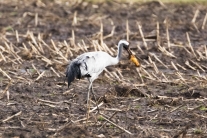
(86, 66)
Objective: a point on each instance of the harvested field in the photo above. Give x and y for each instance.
(165, 97)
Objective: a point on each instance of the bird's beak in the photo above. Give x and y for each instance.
(133, 58)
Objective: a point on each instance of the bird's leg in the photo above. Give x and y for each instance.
(94, 98)
(88, 96)
(88, 100)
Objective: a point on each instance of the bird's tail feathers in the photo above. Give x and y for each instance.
(73, 71)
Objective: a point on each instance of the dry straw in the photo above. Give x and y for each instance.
(204, 22)
(162, 66)
(142, 35)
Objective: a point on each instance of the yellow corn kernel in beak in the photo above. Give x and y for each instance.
(134, 60)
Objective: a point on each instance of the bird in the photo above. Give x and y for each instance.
(91, 64)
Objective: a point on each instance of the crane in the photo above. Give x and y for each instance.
(91, 64)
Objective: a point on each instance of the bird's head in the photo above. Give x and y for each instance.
(132, 57)
(124, 43)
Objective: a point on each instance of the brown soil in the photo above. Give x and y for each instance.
(165, 97)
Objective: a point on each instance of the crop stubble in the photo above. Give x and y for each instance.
(166, 96)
